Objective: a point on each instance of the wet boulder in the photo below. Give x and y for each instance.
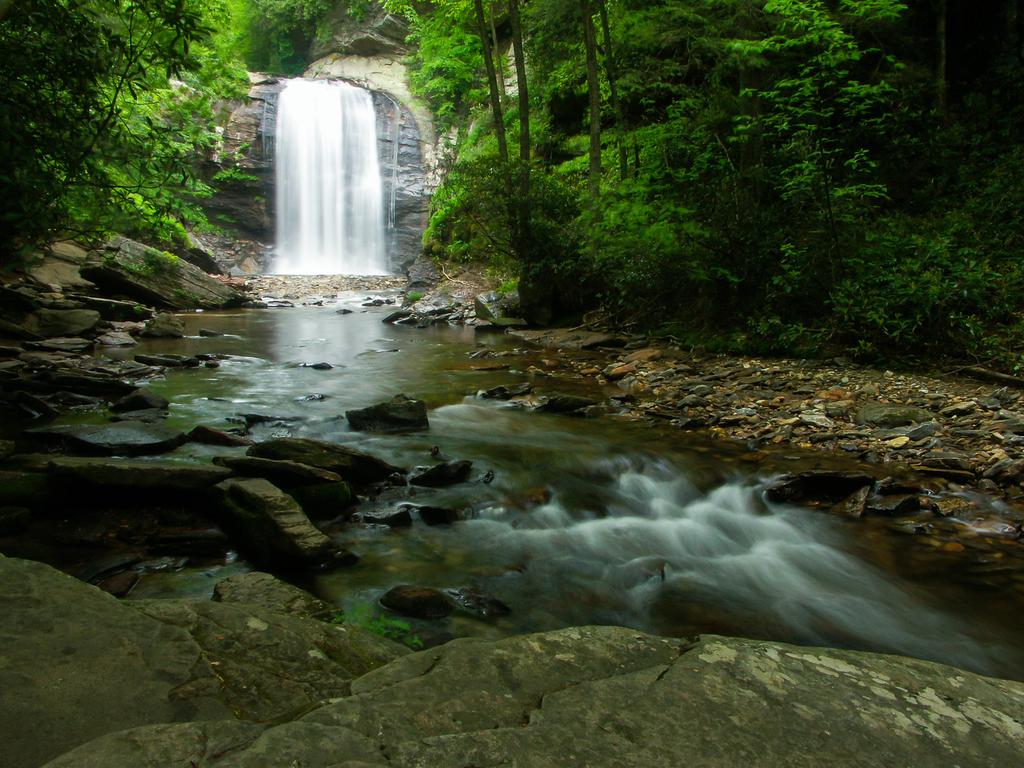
(272, 528)
(399, 414)
(164, 326)
(282, 473)
(139, 400)
(440, 475)
(356, 467)
(211, 436)
(434, 515)
(417, 602)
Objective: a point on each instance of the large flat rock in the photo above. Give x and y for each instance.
(607, 696)
(123, 438)
(75, 663)
(139, 475)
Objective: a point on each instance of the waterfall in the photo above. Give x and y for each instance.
(330, 200)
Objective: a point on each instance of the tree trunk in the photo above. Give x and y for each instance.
(594, 91)
(524, 131)
(492, 80)
(499, 64)
(610, 70)
(1013, 28)
(941, 83)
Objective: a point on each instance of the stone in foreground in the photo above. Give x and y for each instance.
(79, 664)
(617, 698)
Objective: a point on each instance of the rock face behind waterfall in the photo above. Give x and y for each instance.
(370, 54)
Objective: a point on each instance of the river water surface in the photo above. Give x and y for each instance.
(585, 521)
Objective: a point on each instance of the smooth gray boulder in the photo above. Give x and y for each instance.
(270, 665)
(890, 416)
(617, 698)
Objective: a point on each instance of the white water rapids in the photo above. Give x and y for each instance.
(329, 194)
(661, 546)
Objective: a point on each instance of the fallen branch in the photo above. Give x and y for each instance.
(986, 374)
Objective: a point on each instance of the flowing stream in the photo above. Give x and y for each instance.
(586, 520)
(329, 194)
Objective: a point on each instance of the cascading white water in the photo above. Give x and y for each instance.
(330, 200)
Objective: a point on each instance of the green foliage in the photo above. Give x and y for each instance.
(413, 296)
(444, 67)
(106, 105)
(233, 174)
(276, 35)
(365, 616)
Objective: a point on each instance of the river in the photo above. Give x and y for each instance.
(578, 521)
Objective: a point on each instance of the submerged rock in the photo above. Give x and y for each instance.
(210, 436)
(399, 414)
(565, 404)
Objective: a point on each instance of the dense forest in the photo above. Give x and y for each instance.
(802, 176)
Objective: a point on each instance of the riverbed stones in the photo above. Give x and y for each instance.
(571, 405)
(356, 467)
(211, 436)
(124, 438)
(273, 529)
(399, 414)
(888, 415)
(417, 602)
